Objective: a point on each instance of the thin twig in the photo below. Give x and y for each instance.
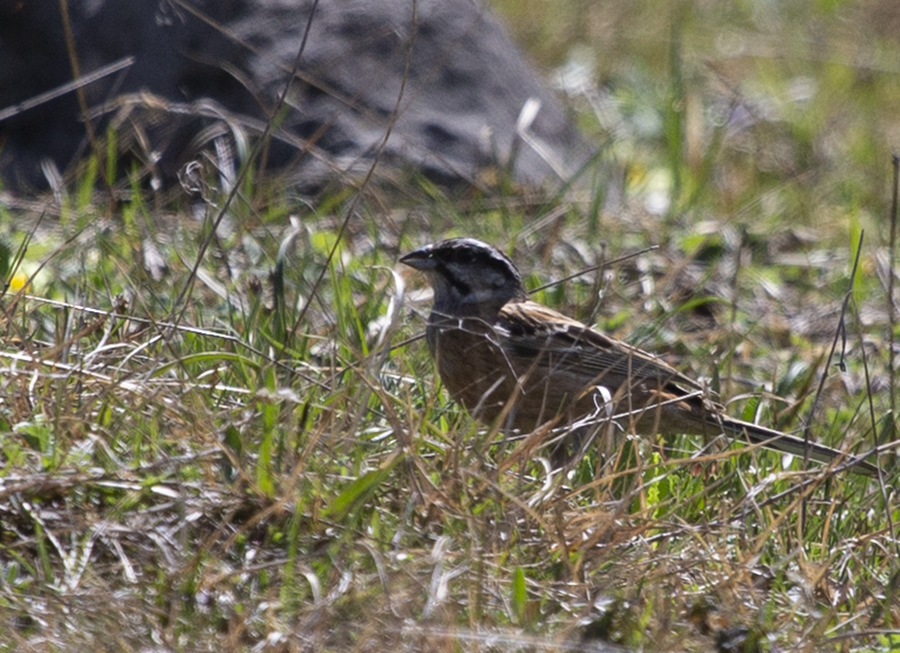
(840, 333)
(593, 268)
(238, 182)
(871, 403)
(892, 311)
(76, 75)
(61, 90)
(365, 182)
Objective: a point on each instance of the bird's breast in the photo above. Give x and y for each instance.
(482, 370)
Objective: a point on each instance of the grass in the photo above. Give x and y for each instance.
(243, 458)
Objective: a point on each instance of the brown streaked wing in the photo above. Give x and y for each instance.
(580, 349)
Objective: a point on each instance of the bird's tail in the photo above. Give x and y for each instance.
(779, 441)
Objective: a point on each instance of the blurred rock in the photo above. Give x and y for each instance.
(194, 80)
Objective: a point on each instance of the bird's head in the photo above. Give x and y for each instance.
(468, 277)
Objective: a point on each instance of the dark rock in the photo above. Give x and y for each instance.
(464, 91)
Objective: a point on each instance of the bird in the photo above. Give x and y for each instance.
(518, 364)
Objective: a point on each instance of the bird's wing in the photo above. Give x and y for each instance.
(532, 331)
(562, 347)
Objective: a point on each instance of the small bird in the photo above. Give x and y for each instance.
(521, 365)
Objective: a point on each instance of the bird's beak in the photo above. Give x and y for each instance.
(420, 259)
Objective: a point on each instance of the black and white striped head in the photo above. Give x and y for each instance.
(468, 277)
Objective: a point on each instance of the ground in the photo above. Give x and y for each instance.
(218, 432)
